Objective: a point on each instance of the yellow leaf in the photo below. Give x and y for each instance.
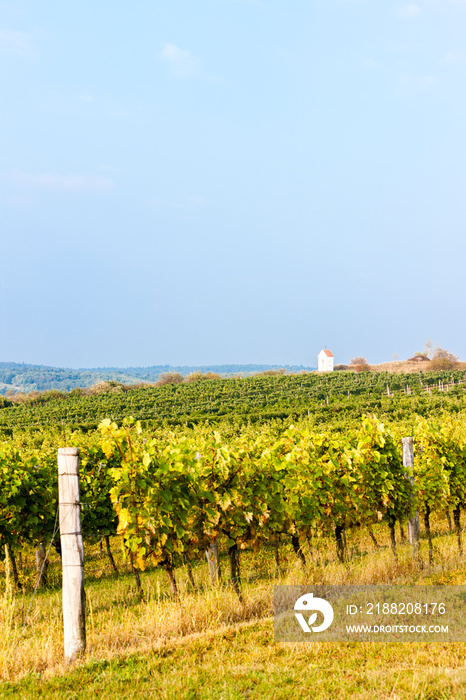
(141, 562)
(123, 520)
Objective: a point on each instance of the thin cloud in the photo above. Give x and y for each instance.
(410, 10)
(180, 204)
(84, 97)
(183, 64)
(371, 63)
(410, 84)
(69, 183)
(454, 56)
(20, 43)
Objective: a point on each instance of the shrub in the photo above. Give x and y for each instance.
(197, 376)
(359, 364)
(169, 378)
(443, 359)
(106, 387)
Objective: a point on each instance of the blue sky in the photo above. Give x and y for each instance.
(231, 181)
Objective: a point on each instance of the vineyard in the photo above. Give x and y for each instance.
(171, 499)
(336, 397)
(163, 496)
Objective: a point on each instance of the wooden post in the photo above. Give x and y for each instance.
(74, 621)
(213, 562)
(41, 565)
(408, 464)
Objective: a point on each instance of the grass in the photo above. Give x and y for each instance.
(241, 662)
(209, 645)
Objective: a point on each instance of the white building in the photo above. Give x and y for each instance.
(325, 361)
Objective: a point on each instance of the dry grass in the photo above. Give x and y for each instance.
(402, 367)
(119, 623)
(410, 366)
(399, 367)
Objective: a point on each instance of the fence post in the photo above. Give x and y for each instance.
(413, 521)
(213, 562)
(72, 553)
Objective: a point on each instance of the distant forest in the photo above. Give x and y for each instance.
(16, 377)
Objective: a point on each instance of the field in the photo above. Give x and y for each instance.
(322, 502)
(332, 398)
(210, 646)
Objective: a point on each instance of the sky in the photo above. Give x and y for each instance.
(231, 181)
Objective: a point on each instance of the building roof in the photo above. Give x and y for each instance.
(327, 352)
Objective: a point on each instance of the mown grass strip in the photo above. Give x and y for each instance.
(243, 662)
